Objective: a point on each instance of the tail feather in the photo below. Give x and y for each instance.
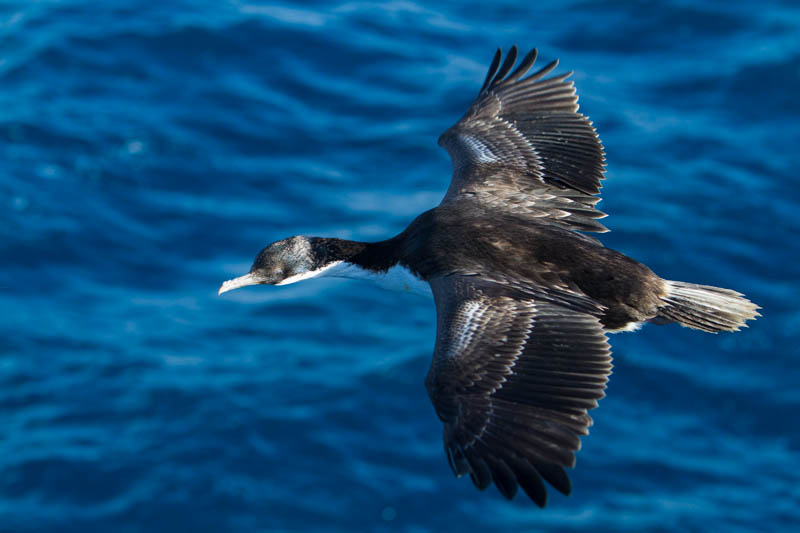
(706, 308)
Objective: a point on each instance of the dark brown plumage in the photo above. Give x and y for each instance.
(523, 299)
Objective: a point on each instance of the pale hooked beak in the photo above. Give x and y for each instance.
(241, 281)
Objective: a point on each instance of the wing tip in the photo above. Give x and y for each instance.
(492, 70)
(498, 75)
(508, 474)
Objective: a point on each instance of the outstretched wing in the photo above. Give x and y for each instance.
(512, 380)
(523, 148)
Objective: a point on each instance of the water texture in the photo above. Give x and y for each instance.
(148, 150)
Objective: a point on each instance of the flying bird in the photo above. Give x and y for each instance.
(524, 297)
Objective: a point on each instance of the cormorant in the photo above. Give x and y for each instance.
(524, 298)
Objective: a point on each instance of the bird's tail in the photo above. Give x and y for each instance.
(706, 308)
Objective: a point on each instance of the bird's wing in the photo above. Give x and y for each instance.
(522, 147)
(512, 379)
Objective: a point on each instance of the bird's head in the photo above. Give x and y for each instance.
(280, 263)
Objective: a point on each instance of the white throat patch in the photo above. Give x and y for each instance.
(396, 278)
(324, 271)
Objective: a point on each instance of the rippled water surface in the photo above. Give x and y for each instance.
(148, 150)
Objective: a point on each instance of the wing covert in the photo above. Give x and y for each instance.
(522, 147)
(512, 380)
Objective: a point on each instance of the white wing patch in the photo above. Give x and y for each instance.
(464, 325)
(478, 150)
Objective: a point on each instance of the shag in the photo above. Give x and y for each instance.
(524, 298)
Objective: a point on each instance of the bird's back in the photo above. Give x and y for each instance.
(458, 239)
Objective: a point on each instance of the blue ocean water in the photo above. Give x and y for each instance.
(149, 150)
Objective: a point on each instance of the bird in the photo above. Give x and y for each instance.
(525, 298)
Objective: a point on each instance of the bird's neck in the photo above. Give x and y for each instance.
(371, 256)
(374, 261)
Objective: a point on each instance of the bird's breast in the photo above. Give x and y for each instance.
(400, 278)
(397, 278)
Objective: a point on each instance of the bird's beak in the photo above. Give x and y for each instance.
(241, 281)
